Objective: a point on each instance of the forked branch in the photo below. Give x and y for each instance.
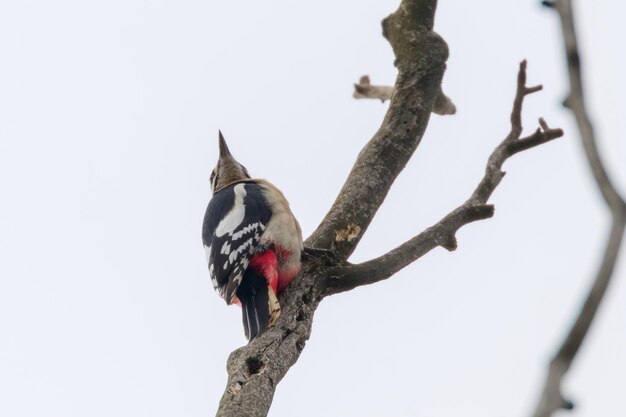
(420, 58)
(256, 369)
(475, 208)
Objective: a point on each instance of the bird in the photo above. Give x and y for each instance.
(252, 241)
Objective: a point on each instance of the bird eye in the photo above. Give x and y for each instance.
(213, 179)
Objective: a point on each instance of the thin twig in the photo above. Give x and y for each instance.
(365, 90)
(551, 398)
(442, 234)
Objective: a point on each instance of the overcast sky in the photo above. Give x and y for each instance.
(109, 114)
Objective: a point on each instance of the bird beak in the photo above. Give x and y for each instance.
(228, 169)
(224, 152)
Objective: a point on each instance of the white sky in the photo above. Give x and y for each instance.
(108, 131)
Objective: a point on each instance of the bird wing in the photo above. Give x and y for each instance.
(233, 224)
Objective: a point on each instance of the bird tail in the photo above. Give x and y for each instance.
(259, 305)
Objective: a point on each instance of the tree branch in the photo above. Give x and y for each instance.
(255, 370)
(443, 233)
(420, 59)
(364, 90)
(551, 398)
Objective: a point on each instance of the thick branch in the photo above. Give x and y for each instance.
(551, 398)
(475, 208)
(255, 370)
(365, 90)
(420, 59)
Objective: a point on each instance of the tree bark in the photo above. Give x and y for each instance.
(256, 369)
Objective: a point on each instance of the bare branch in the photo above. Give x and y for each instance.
(345, 278)
(551, 399)
(576, 103)
(420, 59)
(364, 90)
(255, 370)
(443, 105)
(475, 208)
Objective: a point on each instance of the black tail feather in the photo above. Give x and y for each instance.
(254, 298)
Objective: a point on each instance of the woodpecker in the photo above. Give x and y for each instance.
(252, 242)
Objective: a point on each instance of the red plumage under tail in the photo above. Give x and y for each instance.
(259, 305)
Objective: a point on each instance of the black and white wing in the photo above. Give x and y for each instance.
(233, 224)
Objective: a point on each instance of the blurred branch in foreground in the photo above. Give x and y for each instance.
(551, 398)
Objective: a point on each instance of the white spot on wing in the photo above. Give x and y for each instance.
(236, 214)
(225, 248)
(249, 228)
(240, 249)
(207, 253)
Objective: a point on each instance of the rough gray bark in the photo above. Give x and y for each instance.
(475, 208)
(255, 370)
(551, 398)
(420, 58)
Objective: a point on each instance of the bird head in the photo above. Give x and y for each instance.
(228, 170)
